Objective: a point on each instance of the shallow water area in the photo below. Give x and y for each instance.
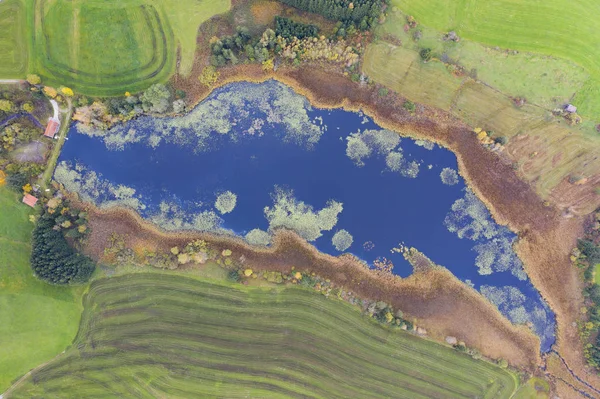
(252, 158)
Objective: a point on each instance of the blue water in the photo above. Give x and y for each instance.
(380, 206)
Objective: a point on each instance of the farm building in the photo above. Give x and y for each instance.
(52, 127)
(570, 108)
(30, 200)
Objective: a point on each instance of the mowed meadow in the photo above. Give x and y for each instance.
(37, 320)
(150, 335)
(553, 27)
(13, 39)
(102, 47)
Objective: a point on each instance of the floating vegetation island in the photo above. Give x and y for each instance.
(254, 158)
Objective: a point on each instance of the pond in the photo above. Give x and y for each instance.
(252, 158)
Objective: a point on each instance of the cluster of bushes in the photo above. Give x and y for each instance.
(20, 174)
(52, 258)
(196, 252)
(586, 256)
(289, 29)
(361, 14)
(15, 134)
(103, 113)
(72, 222)
(262, 49)
(227, 48)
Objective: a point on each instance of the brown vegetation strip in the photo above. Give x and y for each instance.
(435, 297)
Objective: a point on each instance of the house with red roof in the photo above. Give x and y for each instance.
(52, 127)
(30, 200)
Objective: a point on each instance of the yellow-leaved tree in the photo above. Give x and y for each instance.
(209, 76)
(67, 91)
(50, 91)
(268, 65)
(34, 79)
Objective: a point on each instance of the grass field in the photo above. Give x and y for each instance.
(553, 27)
(13, 46)
(154, 335)
(37, 320)
(541, 79)
(101, 47)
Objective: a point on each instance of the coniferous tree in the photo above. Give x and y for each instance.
(53, 260)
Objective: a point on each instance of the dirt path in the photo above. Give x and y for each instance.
(14, 386)
(62, 136)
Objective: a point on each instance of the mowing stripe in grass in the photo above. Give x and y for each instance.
(144, 335)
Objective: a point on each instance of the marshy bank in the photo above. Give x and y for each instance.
(253, 158)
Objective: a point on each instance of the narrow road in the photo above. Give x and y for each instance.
(11, 81)
(66, 115)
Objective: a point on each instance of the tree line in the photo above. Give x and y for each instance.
(289, 29)
(363, 14)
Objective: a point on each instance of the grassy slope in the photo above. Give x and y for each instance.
(543, 80)
(150, 334)
(37, 321)
(13, 46)
(564, 29)
(185, 18)
(559, 150)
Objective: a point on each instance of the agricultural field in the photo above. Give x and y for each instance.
(154, 335)
(37, 320)
(13, 45)
(550, 27)
(103, 48)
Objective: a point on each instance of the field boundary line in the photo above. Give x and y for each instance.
(13, 241)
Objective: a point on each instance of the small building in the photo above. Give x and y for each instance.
(570, 108)
(52, 127)
(30, 200)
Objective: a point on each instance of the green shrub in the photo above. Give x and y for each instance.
(409, 106)
(288, 29)
(425, 54)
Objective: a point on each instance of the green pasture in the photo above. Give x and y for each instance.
(37, 320)
(567, 30)
(102, 47)
(543, 80)
(13, 46)
(151, 335)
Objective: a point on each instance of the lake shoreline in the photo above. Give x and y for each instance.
(546, 238)
(510, 200)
